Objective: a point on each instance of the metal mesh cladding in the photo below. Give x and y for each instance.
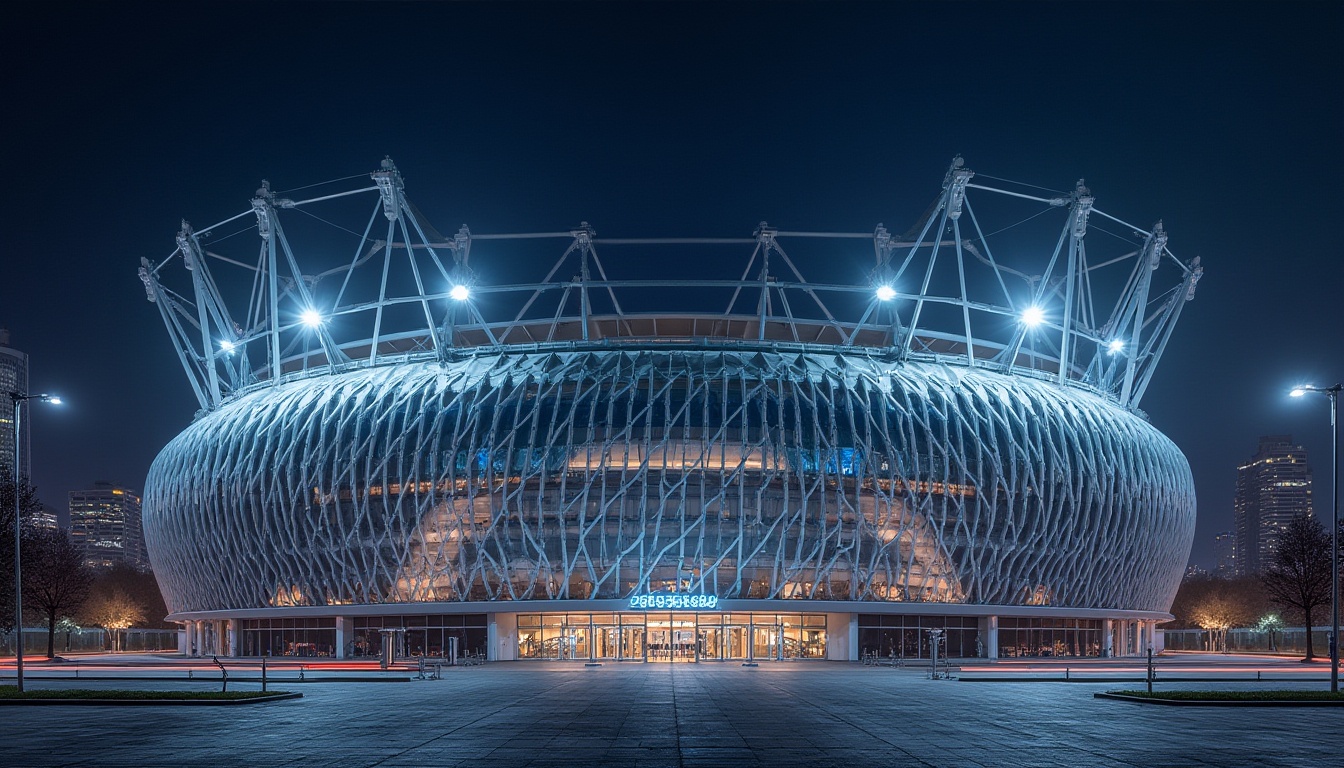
(589, 475)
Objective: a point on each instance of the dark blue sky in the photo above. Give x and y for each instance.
(1222, 119)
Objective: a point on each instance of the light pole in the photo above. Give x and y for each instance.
(18, 399)
(1333, 394)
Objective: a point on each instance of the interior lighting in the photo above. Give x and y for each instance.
(311, 318)
(886, 293)
(1033, 316)
(460, 292)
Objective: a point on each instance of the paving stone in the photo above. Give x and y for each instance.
(671, 716)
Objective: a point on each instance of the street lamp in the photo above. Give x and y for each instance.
(18, 399)
(1333, 394)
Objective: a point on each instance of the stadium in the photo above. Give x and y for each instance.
(402, 447)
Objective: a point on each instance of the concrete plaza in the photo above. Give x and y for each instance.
(560, 714)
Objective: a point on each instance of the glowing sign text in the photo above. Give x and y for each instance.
(674, 601)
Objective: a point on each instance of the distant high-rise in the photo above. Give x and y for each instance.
(13, 378)
(1273, 487)
(1225, 554)
(105, 524)
(47, 517)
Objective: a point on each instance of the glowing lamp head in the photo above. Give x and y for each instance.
(311, 318)
(460, 292)
(54, 400)
(886, 293)
(1116, 346)
(226, 347)
(1033, 316)
(1297, 392)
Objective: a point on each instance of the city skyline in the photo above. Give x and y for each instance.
(682, 133)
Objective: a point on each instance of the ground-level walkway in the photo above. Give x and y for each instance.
(557, 714)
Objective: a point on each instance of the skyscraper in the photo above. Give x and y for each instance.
(1225, 554)
(13, 378)
(47, 517)
(105, 524)
(1273, 487)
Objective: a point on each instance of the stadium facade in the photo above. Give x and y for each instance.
(580, 481)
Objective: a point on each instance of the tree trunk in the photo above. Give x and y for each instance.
(51, 635)
(1311, 656)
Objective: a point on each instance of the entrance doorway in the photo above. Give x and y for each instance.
(671, 637)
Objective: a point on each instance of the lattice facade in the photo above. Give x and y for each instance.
(575, 475)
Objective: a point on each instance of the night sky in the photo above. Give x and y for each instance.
(1225, 120)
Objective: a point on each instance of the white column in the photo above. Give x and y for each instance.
(992, 638)
(233, 638)
(193, 638)
(342, 628)
(1107, 638)
(502, 637)
(842, 635)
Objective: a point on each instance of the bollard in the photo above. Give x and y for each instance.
(263, 674)
(1151, 671)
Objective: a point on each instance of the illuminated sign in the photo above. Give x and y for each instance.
(673, 600)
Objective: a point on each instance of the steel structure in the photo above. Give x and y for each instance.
(1110, 346)
(951, 430)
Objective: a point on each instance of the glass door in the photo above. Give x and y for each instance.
(632, 642)
(606, 642)
(660, 641)
(683, 637)
(765, 642)
(735, 638)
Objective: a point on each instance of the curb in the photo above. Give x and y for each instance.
(1216, 703)
(161, 678)
(149, 702)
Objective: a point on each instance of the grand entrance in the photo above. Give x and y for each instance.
(667, 637)
(671, 637)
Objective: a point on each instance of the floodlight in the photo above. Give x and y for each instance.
(311, 318)
(1116, 346)
(886, 293)
(460, 292)
(226, 346)
(1033, 316)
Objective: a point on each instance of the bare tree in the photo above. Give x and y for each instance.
(1196, 591)
(1298, 576)
(29, 506)
(1217, 612)
(55, 578)
(113, 608)
(140, 587)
